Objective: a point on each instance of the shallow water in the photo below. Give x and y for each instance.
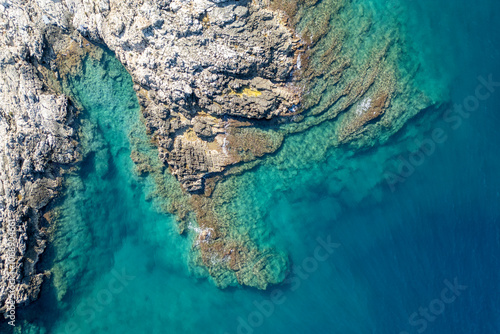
(395, 243)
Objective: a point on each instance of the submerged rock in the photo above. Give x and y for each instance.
(220, 83)
(198, 66)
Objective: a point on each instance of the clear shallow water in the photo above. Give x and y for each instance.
(393, 249)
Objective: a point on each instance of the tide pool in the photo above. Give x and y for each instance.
(368, 255)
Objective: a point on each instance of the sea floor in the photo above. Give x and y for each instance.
(403, 237)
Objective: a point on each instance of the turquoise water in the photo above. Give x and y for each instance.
(121, 267)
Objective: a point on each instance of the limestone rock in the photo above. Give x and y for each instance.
(225, 59)
(36, 140)
(205, 71)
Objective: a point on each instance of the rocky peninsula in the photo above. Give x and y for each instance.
(220, 83)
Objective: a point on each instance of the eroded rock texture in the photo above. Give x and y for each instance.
(36, 141)
(201, 68)
(206, 73)
(213, 77)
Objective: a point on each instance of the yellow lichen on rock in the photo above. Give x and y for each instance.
(246, 91)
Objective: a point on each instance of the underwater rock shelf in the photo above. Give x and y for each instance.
(220, 86)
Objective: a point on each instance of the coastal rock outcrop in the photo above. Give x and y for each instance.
(36, 143)
(206, 72)
(214, 78)
(199, 66)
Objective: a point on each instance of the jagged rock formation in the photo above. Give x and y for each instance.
(36, 141)
(199, 66)
(212, 77)
(205, 73)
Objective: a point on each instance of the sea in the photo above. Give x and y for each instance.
(400, 237)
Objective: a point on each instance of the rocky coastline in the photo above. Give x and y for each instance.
(204, 72)
(37, 145)
(215, 79)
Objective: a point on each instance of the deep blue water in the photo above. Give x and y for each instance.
(395, 246)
